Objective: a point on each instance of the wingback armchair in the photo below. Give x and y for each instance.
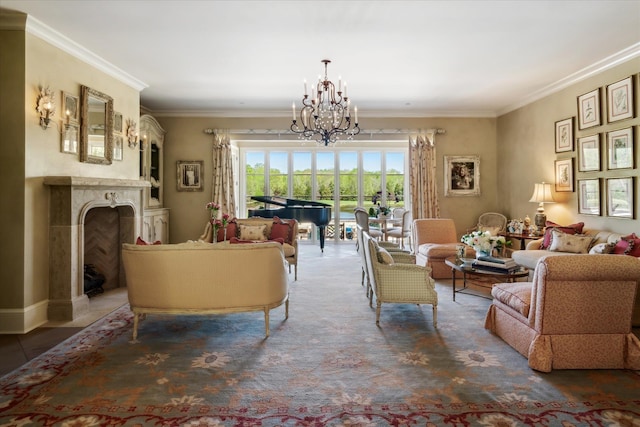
(576, 314)
(435, 239)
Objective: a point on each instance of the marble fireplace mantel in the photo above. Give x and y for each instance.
(70, 198)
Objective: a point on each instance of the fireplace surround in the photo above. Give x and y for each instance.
(70, 199)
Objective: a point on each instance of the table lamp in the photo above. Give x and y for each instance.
(541, 195)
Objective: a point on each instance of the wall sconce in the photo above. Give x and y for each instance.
(45, 106)
(541, 195)
(132, 134)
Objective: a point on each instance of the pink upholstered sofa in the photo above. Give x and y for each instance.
(576, 314)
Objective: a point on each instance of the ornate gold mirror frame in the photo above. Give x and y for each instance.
(96, 126)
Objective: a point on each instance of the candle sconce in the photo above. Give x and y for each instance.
(45, 106)
(132, 134)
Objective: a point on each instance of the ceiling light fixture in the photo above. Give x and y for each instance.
(325, 116)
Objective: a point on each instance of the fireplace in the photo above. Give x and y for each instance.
(110, 212)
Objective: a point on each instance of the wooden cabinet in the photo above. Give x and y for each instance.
(155, 225)
(151, 159)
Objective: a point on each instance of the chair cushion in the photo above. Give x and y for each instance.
(514, 295)
(384, 256)
(438, 250)
(574, 243)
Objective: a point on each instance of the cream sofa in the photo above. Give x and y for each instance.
(290, 246)
(576, 314)
(204, 278)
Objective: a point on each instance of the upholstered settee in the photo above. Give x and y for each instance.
(261, 229)
(576, 314)
(205, 278)
(597, 242)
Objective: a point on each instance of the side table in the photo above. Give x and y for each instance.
(522, 237)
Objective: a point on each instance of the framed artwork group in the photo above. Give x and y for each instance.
(603, 157)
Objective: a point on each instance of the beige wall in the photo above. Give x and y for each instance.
(185, 140)
(30, 153)
(526, 153)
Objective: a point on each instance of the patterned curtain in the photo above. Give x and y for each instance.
(422, 169)
(222, 191)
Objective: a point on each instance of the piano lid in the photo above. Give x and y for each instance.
(281, 201)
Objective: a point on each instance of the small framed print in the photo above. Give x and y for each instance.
(461, 176)
(118, 141)
(564, 175)
(189, 175)
(69, 140)
(589, 109)
(70, 106)
(564, 135)
(589, 153)
(589, 196)
(620, 202)
(117, 122)
(620, 100)
(620, 149)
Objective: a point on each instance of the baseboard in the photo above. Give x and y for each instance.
(23, 320)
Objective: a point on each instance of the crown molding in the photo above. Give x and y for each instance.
(48, 34)
(624, 55)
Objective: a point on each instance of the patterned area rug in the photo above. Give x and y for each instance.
(328, 364)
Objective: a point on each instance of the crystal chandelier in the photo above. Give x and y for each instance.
(325, 116)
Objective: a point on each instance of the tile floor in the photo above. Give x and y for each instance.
(17, 349)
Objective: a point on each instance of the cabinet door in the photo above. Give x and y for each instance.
(161, 227)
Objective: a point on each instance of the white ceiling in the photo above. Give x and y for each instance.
(400, 58)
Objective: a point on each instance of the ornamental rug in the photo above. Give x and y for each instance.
(328, 364)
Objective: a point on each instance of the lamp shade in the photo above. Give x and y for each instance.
(542, 193)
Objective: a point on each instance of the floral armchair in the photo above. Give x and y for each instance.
(576, 314)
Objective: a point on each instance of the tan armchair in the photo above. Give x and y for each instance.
(362, 219)
(402, 230)
(493, 222)
(434, 240)
(576, 314)
(396, 282)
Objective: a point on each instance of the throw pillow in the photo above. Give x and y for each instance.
(139, 241)
(281, 229)
(635, 243)
(232, 230)
(625, 247)
(384, 256)
(253, 232)
(569, 229)
(602, 248)
(573, 243)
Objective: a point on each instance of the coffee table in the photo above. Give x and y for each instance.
(456, 264)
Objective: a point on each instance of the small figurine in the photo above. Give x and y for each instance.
(527, 222)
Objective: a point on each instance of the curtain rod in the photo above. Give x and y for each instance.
(433, 131)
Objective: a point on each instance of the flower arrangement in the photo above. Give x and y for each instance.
(218, 223)
(483, 242)
(213, 208)
(376, 210)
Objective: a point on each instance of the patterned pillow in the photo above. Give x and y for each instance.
(253, 232)
(573, 243)
(602, 248)
(626, 247)
(569, 229)
(384, 256)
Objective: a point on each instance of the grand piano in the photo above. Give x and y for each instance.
(300, 210)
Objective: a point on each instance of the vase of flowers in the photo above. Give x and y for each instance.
(213, 209)
(483, 242)
(223, 223)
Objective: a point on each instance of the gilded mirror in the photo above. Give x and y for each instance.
(96, 123)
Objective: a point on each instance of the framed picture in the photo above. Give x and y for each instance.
(589, 109)
(71, 107)
(461, 175)
(564, 135)
(118, 141)
(117, 122)
(620, 202)
(620, 149)
(189, 175)
(620, 100)
(589, 196)
(589, 153)
(69, 139)
(564, 175)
